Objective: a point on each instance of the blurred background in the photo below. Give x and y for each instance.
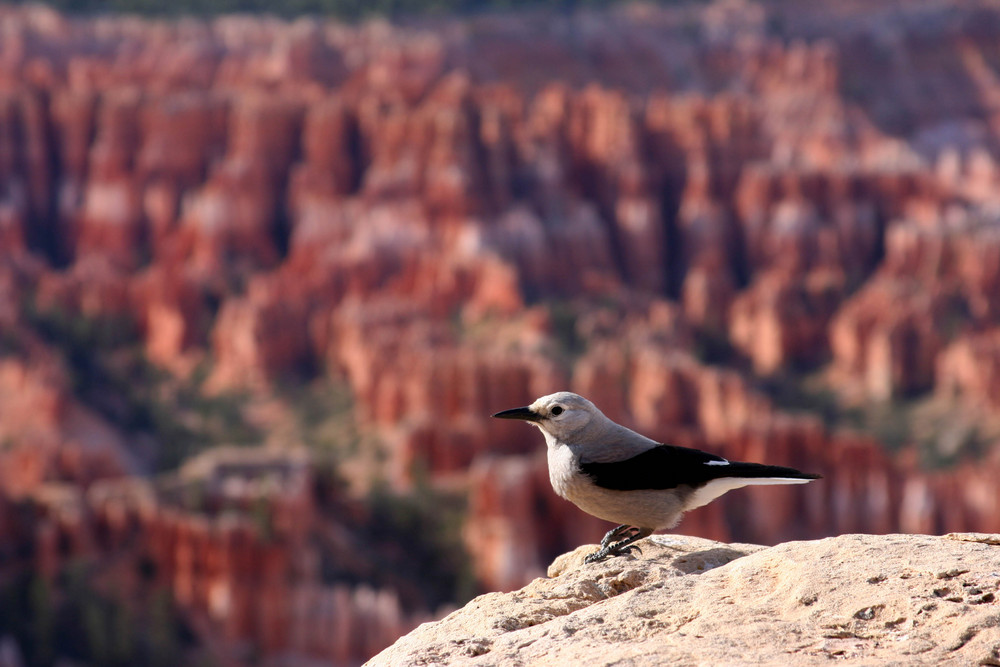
(265, 276)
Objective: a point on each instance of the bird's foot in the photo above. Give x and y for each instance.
(609, 551)
(616, 533)
(621, 547)
(628, 549)
(597, 556)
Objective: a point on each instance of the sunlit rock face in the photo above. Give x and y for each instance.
(578, 610)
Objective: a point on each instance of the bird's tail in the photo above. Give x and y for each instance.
(738, 475)
(758, 473)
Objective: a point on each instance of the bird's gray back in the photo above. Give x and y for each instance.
(604, 441)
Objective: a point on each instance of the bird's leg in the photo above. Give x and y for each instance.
(614, 534)
(626, 545)
(619, 548)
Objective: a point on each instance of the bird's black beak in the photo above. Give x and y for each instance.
(519, 413)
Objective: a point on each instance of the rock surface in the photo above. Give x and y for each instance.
(857, 599)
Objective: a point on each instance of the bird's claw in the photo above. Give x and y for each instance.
(622, 533)
(614, 534)
(610, 551)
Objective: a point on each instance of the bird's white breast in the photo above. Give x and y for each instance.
(563, 473)
(643, 508)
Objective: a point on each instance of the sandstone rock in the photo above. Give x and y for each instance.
(863, 599)
(960, 246)
(882, 341)
(234, 212)
(780, 321)
(233, 528)
(970, 369)
(183, 134)
(94, 288)
(49, 435)
(330, 141)
(172, 315)
(260, 336)
(799, 220)
(707, 295)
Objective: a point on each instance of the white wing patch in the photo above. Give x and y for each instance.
(722, 462)
(717, 487)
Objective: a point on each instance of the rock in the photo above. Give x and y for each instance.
(230, 536)
(260, 335)
(172, 315)
(780, 321)
(985, 538)
(970, 369)
(886, 337)
(863, 599)
(47, 433)
(707, 295)
(798, 219)
(959, 246)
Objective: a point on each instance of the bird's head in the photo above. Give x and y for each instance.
(559, 415)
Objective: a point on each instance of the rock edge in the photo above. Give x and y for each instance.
(859, 599)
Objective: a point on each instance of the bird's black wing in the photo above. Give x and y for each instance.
(669, 466)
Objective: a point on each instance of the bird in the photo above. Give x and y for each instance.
(616, 474)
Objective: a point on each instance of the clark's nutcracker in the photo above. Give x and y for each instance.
(618, 475)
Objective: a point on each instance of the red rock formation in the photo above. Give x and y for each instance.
(780, 321)
(798, 219)
(960, 248)
(259, 336)
(12, 226)
(93, 288)
(970, 369)
(883, 340)
(233, 214)
(328, 168)
(425, 392)
(172, 315)
(47, 434)
(230, 538)
(707, 296)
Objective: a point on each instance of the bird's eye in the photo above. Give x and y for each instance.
(557, 411)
